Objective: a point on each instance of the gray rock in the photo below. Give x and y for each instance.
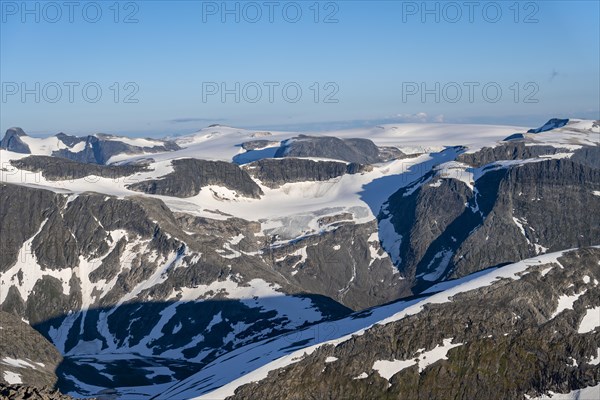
(39, 357)
(257, 144)
(191, 175)
(447, 231)
(274, 173)
(64, 231)
(510, 345)
(21, 392)
(59, 169)
(100, 148)
(12, 141)
(508, 151)
(588, 155)
(361, 151)
(22, 211)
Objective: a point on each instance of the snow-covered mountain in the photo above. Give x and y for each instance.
(177, 266)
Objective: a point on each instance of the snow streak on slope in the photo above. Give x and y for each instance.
(220, 378)
(387, 369)
(366, 191)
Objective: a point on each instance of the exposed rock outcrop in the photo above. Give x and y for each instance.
(361, 151)
(26, 357)
(505, 341)
(60, 169)
(12, 141)
(191, 175)
(447, 228)
(509, 151)
(98, 149)
(274, 173)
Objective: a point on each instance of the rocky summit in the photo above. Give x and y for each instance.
(412, 261)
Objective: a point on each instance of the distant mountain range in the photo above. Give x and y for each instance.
(400, 261)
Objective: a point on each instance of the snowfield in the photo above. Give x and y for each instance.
(220, 378)
(287, 213)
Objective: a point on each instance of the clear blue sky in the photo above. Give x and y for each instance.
(373, 51)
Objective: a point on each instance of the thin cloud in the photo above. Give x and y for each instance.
(419, 117)
(194, 119)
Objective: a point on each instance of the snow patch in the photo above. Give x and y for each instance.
(590, 321)
(15, 362)
(565, 302)
(12, 378)
(387, 369)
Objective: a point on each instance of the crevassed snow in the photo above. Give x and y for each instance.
(590, 321)
(222, 142)
(369, 189)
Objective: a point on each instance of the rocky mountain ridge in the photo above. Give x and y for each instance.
(153, 270)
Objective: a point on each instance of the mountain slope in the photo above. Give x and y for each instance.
(166, 261)
(26, 357)
(523, 329)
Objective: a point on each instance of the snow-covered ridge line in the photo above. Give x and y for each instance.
(261, 358)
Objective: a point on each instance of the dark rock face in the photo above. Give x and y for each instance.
(514, 136)
(275, 172)
(191, 175)
(34, 358)
(22, 211)
(551, 124)
(59, 169)
(448, 230)
(361, 151)
(20, 392)
(548, 200)
(70, 140)
(99, 149)
(142, 259)
(12, 141)
(338, 264)
(588, 155)
(510, 151)
(257, 144)
(507, 343)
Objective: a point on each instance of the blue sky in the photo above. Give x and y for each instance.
(366, 62)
